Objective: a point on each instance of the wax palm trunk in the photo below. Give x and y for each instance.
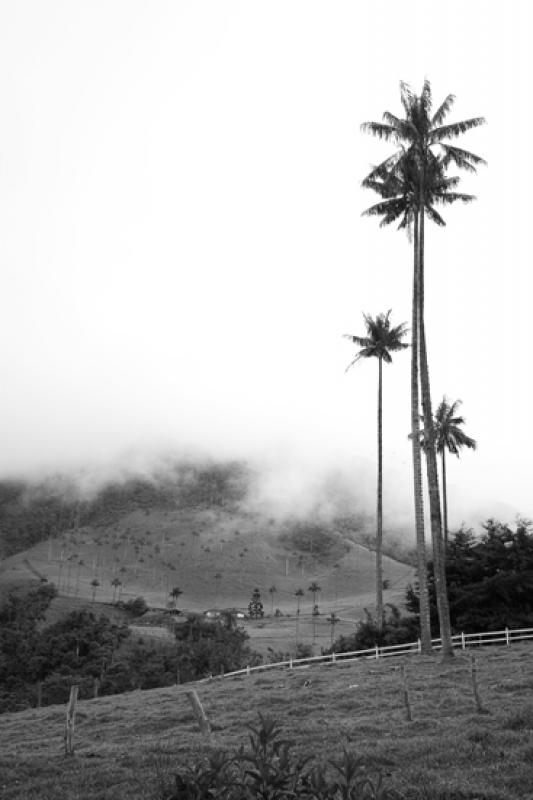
(444, 498)
(425, 620)
(379, 515)
(439, 570)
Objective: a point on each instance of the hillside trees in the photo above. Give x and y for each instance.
(490, 579)
(81, 648)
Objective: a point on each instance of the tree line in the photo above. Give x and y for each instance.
(39, 663)
(490, 588)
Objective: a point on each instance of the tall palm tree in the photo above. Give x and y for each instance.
(448, 437)
(381, 340)
(411, 182)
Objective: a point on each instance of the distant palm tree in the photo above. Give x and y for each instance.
(174, 594)
(380, 341)
(95, 584)
(448, 436)
(115, 583)
(299, 593)
(272, 591)
(315, 589)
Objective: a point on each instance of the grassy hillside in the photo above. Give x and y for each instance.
(129, 746)
(192, 527)
(216, 557)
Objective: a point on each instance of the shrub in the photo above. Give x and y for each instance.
(136, 607)
(267, 770)
(396, 629)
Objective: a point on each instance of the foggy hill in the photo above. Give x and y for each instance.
(193, 525)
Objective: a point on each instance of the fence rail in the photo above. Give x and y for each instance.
(459, 640)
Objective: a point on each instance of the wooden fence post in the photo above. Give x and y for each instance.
(199, 712)
(406, 698)
(96, 687)
(71, 718)
(475, 690)
(39, 694)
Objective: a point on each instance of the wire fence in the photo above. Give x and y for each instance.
(459, 640)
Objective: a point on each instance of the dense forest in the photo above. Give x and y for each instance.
(490, 587)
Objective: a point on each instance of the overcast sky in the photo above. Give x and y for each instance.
(182, 245)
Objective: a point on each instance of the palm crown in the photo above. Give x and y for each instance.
(415, 175)
(381, 339)
(448, 433)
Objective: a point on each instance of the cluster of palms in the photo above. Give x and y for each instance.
(411, 183)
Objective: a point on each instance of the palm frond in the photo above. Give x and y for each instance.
(434, 216)
(407, 97)
(387, 208)
(404, 128)
(461, 154)
(425, 97)
(380, 130)
(440, 114)
(383, 170)
(461, 439)
(455, 128)
(362, 341)
(447, 198)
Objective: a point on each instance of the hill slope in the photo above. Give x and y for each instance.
(130, 746)
(194, 528)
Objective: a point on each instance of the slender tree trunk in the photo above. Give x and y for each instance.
(431, 466)
(444, 498)
(379, 515)
(425, 621)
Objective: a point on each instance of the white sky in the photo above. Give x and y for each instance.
(181, 240)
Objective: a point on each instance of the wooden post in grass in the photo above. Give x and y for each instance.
(406, 698)
(475, 690)
(39, 694)
(199, 712)
(96, 687)
(71, 718)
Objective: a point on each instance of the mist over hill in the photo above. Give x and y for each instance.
(214, 528)
(32, 510)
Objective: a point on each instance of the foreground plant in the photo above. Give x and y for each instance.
(267, 770)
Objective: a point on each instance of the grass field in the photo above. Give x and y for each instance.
(128, 746)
